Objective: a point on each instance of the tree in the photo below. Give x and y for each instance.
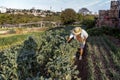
(84, 11)
(80, 17)
(88, 21)
(68, 16)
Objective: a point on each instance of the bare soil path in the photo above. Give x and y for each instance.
(82, 65)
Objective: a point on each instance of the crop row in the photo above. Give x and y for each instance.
(103, 61)
(47, 56)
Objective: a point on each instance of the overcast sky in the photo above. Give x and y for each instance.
(57, 5)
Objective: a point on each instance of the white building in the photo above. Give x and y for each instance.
(3, 9)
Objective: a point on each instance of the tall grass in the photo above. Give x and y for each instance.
(16, 39)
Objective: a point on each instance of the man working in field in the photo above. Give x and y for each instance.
(80, 35)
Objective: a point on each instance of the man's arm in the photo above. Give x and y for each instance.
(85, 34)
(68, 39)
(84, 38)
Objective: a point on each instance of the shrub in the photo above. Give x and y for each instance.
(104, 30)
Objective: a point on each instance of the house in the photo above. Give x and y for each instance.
(110, 17)
(3, 9)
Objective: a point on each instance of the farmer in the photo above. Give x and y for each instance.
(80, 35)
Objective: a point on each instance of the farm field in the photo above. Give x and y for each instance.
(18, 37)
(101, 60)
(49, 57)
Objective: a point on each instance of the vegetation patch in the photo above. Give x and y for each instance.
(49, 57)
(10, 40)
(104, 30)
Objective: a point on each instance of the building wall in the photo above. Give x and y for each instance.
(110, 17)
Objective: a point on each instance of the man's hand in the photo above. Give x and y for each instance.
(85, 38)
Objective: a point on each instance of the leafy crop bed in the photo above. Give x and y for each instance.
(40, 58)
(49, 57)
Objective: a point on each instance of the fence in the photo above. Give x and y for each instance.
(33, 24)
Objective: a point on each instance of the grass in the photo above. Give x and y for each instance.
(10, 40)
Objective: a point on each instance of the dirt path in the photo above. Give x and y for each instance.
(82, 66)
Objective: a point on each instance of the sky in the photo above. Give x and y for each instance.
(57, 5)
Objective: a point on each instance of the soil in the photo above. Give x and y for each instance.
(82, 65)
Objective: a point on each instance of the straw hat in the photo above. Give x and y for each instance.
(77, 30)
